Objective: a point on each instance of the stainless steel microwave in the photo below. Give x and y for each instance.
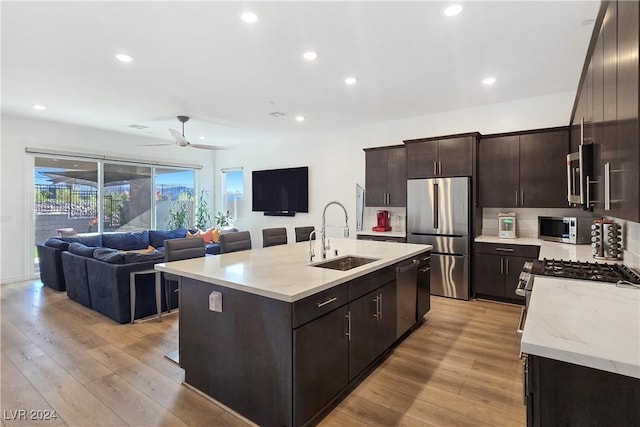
(565, 229)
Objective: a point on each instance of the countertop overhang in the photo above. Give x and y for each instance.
(592, 324)
(284, 272)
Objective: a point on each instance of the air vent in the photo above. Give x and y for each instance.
(277, 114)
(139, 127)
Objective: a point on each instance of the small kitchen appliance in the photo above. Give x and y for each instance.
(383, 221)
(606, 240)
(507, 225)
(565, 229)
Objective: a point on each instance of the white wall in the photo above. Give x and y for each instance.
(336, 160)
(16, 184)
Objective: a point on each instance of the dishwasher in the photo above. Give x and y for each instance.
(406, 300)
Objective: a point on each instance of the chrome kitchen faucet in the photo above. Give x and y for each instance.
(346, 226)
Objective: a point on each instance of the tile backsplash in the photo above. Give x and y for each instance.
(527, 226)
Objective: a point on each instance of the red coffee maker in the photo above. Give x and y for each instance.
(383, 221)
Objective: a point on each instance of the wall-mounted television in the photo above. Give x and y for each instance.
(280, 191)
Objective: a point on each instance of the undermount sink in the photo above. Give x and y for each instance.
(345, 263)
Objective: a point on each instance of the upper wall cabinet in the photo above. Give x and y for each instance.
(525, 170)
(386, 176)
(606, 111)
(441, 157)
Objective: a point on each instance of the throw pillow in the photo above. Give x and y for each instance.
(126, 241)
(215, 236)
(82, 250)
(157, 237)
(207, 235)
(112, 256)
(194, 234)
(57, 244)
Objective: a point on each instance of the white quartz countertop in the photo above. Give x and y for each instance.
(550, 250)
(382, 233)
(284, 272)
(592, 324)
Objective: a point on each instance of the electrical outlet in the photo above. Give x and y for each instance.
(215, 301)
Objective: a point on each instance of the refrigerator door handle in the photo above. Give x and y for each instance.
(436, 208)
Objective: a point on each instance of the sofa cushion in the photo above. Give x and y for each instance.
(157, 237)
(126, 241)
(57, 244)
(112, 256)
(90, 240)
(133, 257)
(82, 250)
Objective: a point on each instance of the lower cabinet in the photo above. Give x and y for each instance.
(372, 327)
(320, 347)
(497, 268)
(563, 394)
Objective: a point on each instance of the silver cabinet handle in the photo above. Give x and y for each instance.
(507, 264)
(377, 301)
(522, 198)
(501, 265)
(523, 316)
(348, 333)
(329, 301)
(504, 249)
(435, 167)
(525, 384)
(380, 312)
(580, 165)
(607, 186)
(440, 168)
(516, 197)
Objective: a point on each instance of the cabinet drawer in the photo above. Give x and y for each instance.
(508, 249)
(365, 284)
(316, 305)
(382, 238)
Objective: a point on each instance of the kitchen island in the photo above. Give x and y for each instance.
(278, 339)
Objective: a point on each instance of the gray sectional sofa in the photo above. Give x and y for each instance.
(94, 270)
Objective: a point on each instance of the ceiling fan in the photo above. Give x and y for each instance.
(182, 141)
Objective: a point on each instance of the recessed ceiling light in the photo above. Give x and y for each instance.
(489, 81)
(123, 57)
(203, 138)
(310, 56)
(453, 10)
(350, 80)
(39, 107)
(249, 17)
(300, 118)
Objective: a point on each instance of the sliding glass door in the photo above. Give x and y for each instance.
(78, 196)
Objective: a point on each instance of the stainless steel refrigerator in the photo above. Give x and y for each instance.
(438, 215)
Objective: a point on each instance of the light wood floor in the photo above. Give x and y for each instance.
(460, 368)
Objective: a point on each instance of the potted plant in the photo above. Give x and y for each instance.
(179, 212)
(203, 217)
(223, 219)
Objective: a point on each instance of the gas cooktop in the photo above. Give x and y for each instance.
(585, 271)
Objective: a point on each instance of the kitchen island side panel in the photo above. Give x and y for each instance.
(242, 356)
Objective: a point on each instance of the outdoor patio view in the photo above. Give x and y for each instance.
(67, 204)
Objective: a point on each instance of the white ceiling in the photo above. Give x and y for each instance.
(199, 59)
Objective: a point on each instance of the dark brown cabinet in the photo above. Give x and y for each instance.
(320, 347)
(445, 156)
(497, 268)
(372, 327)
(563, 394)
(525, 170)
(607, 104)
(386, 176)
